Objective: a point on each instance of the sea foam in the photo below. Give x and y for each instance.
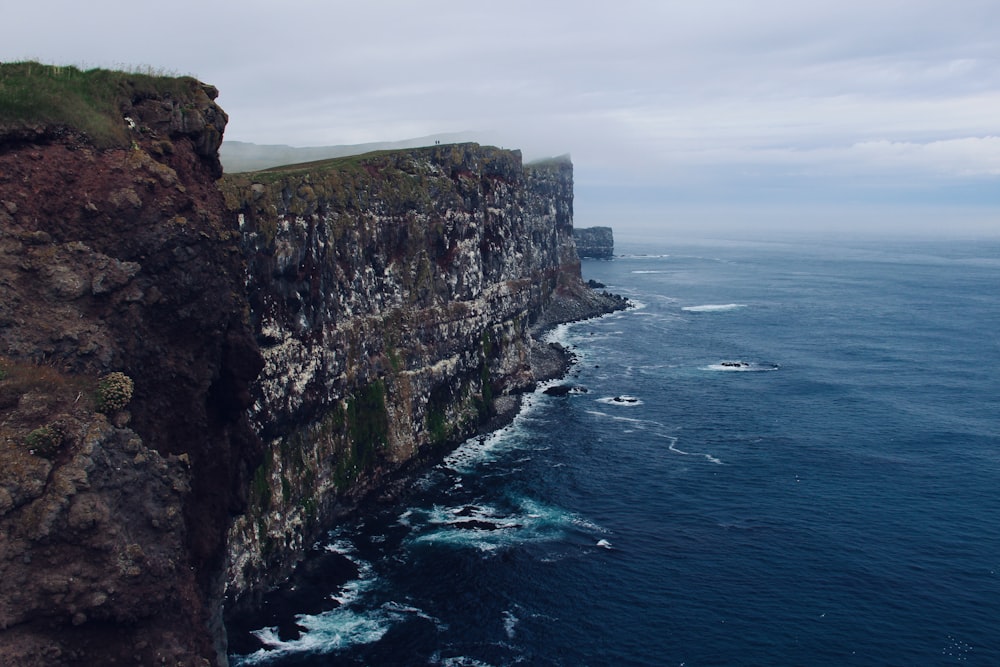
(714, 307)
(487, 528)
(708, 457)
(742, 367)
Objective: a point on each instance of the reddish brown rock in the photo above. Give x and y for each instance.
(112, 538)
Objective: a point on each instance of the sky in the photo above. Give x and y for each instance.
(731, 118)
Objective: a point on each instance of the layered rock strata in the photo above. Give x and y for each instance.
(394, 298)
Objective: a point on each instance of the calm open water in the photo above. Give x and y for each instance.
(786, 454)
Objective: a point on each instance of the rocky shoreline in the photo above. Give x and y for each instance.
(306, 589)
(550, 360)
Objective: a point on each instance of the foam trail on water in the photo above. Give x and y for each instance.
(630, 420)
(741, 367)
(638, 255)
(675, 450)
(714, 307)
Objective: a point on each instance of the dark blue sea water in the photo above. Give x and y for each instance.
(787, 454)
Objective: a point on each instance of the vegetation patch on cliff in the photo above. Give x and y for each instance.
(368, 422)
(90, 101)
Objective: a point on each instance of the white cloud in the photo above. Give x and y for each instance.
(968, 156)
(638, 90)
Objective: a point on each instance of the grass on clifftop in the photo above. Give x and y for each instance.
(333, 163)
(90, 101)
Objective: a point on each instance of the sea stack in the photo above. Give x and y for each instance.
(594, 242)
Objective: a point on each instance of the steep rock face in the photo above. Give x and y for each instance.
(595, 242)
(393, 297)
(119, 259)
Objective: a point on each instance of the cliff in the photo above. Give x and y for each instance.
(116, 256)
(394, 296)
(594, 242)
(197, 376)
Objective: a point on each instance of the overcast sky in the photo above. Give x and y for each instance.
(738, 117)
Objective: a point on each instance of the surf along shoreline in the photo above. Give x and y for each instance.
(322, 571)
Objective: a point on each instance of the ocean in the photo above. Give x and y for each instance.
(784, 454)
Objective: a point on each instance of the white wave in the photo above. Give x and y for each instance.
(486, 449)
(714, 307)
(482, 450)
(352, 590)
(510, 622)
(558, 334)
(604, 544)
(741, 367)
(488, 528)
(647, 271)
(340, 545)
(401, 609)
(456, 516)
(479, 451)
(636, 305)
(330, 631)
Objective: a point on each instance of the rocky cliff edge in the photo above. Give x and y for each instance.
(115, 257)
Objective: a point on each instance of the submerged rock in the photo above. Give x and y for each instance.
(564, 389)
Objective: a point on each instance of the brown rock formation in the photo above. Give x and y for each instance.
(119, 259)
